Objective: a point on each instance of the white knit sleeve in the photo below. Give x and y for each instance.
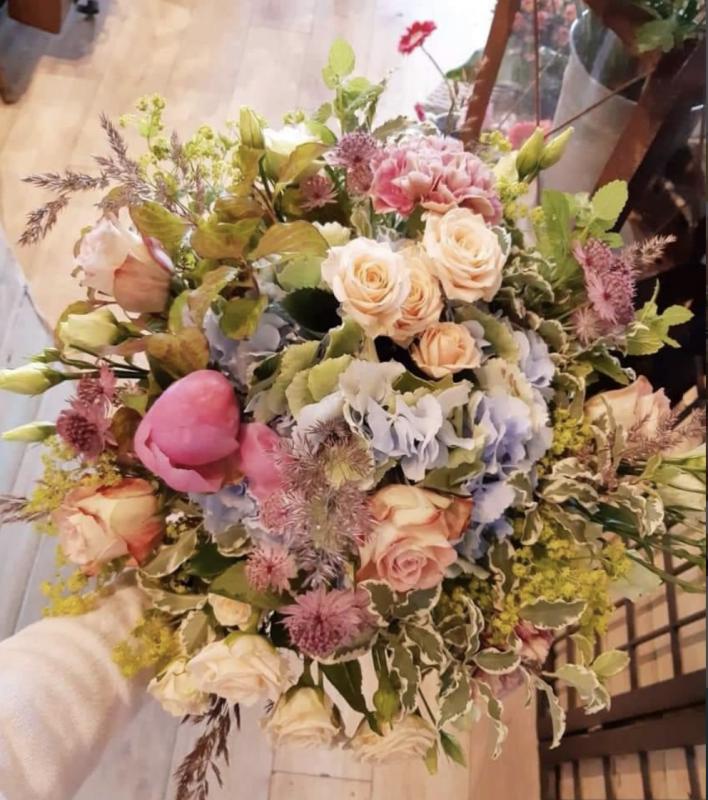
(62, 698)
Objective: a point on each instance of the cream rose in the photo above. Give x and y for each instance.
(466, 254)
(242, 669)
(424, 303)
(411, 544)
(98, 525)
(370, 281)
(446, 348)
(303, 717)
(228, 612)
(410, 737)
(634, 406)
(176, 691)
(117, 262)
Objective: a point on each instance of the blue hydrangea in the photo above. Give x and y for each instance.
(230, 506)
(535, 360)
(237, 356)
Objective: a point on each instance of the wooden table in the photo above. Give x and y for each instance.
(48, 15)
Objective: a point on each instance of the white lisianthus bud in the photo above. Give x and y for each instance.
(304, 717)
(230, 613)
(90, 331)
(32, 432)
(529, 156)
(176, 691)
(410, 737)
(334, 233)
(553, 151)
(31, 378)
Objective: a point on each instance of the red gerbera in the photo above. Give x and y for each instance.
(415, 35)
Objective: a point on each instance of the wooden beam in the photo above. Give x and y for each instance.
(47, 15)
(502, 25)
(679, 75)
(683, 729)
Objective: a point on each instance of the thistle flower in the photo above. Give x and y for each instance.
(320, 621)
(322, 514)
(270, 567)
(317, 191)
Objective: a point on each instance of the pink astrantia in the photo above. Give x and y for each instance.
(610, 283)
(356, 152)
(436, 173)
(317, 191)
(100, 389)
(320, 621)
(270, 567)
(83, 427)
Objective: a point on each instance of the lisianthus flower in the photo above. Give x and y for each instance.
(415, 36)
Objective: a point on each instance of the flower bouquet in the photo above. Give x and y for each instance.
(332, 414)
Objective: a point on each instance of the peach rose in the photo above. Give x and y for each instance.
(446, 348)
(636, 405)
(119, 263)
(466, 253)
(98, 525)
(411, 544)
(424, 303)
(370, 281)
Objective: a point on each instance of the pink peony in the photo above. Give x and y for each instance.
(256, 459)
(189, 437)
(437, 173)
(97, 525)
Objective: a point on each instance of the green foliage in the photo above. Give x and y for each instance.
(347, 680)
(451, 748)
(650, 330)
(171, 556)
(300, 160)
(315, 310)
(608, 202)
(178, 354)
(553, 614)
(300, 272)
(675, 21)
(200, 299)
(291, 238)
(153, 220)
(216, 239)
(234, 584)
(240, 316)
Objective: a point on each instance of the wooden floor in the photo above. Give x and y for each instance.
(207, 57)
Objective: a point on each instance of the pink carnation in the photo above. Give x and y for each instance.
(436, 173)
